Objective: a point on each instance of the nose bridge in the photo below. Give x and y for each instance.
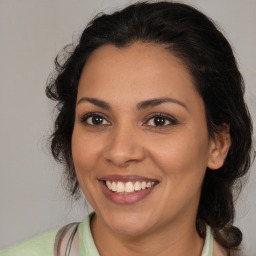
(124, 144)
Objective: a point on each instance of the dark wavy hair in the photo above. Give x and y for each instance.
(194, 38)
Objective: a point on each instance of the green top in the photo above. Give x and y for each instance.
(42, 245)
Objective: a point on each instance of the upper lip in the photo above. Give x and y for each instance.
(126, 178)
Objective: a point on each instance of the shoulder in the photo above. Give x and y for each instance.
(37, 246)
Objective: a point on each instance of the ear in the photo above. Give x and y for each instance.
(219, 147)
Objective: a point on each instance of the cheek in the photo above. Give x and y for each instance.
(85, 149)
(86, 156)
(182, 161)
(182, 155)
(85, 152)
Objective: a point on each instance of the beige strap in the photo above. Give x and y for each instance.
(64, 239)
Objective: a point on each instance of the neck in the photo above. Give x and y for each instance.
(176, 239)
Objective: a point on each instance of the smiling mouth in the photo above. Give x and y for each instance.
(127, 189)
(120, 187)
(127, 184)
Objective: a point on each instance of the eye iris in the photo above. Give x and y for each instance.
(159, 121)
(96, 120)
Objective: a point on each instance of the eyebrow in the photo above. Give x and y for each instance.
(140, 106)
(96, 102)
(158, 101)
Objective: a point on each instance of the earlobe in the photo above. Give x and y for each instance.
(219, 147)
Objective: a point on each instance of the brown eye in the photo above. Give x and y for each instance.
(94, 120)
(160, 120)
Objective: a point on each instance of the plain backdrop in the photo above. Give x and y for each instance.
(32, 32)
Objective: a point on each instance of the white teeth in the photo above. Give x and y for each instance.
(109, 185)
(128, 187)
(120, 187)
(148, 185)
(114, 186)
(137, 186)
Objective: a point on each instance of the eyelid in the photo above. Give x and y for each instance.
(168, 117)
(161, 114)
(84, 117)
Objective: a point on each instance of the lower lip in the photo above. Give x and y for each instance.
(126, 198)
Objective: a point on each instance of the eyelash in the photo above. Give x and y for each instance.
(166, 117)
(84, 119)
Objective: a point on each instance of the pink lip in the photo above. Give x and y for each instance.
(125, 198)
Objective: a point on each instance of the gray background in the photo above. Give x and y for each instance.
(32, 32)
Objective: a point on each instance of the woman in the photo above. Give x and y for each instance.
(154, 130)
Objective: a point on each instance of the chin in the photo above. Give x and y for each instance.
(128, 224)
(130, 229)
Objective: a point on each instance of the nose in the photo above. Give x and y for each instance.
(124, 146)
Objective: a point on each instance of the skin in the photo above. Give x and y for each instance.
(128, 142)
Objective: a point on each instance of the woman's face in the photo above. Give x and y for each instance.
(140, 130)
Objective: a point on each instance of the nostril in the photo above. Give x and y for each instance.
(123, 156)
(124, 147)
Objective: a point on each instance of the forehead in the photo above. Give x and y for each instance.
(141, 70)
